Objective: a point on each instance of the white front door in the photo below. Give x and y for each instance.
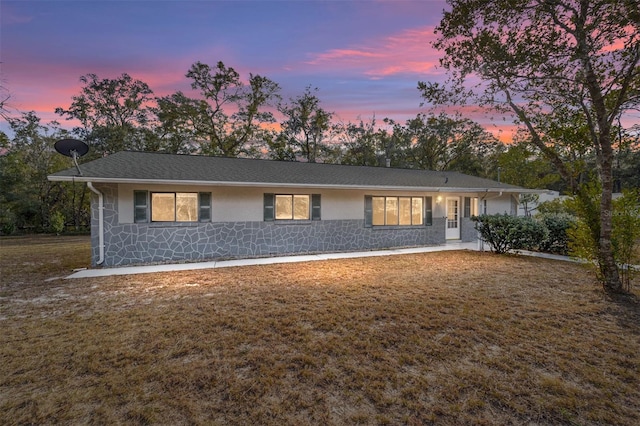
(453, 219)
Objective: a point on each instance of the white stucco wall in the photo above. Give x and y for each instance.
(231, 204)
(497, 204)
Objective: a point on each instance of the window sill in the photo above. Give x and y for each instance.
(293, 222)
(173, 224)
(397, 227)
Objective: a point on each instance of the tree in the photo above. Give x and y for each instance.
(4, 99)
(27, 199)
(278, 147)
(521, 165)
(306, 125)
(360, 143)
(442, 142)
(394, 145)
(228, 117)
(627, 160)
(626, 230)
(112, 113)
(540, 59)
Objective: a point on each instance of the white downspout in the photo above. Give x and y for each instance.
(100, 223)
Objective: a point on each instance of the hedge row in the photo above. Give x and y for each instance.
(546, 233)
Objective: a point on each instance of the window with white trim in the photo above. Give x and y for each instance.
(397, 211)
(291, 207)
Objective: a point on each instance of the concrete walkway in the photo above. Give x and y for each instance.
(146, 269)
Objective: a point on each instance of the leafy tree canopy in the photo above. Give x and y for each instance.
(306, 125)
(543, 60)
(227, 117)
(112, 112)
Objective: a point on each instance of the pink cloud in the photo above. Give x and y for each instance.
(408, 52)
(345, 54)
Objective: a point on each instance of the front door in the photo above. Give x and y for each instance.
(453, 219)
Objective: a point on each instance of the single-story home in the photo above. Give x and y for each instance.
(155, 207)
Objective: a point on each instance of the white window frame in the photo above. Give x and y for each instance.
(293, 198)
(388, 214)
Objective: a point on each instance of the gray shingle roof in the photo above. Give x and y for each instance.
(143, 167)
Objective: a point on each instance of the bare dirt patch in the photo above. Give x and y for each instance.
(446, 338)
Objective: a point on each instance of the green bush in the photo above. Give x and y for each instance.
(557, 239)
(626, 233)
(555, 206)
(584, 235)
(504, 232)
(57, 223)
(7, 226)
(7, 222)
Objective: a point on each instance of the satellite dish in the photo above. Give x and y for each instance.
(73, 148)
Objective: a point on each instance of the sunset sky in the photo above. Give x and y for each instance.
(365, 56)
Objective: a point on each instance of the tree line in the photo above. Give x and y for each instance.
(225, 116)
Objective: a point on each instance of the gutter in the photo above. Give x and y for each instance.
(100, 223)
(360, 187)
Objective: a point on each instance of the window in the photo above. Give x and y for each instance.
(172, 206)
(470, 206)
(141, 203)
(291, 207)
(204, 214)
(392, 211)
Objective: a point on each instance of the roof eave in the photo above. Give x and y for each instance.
(56, 178)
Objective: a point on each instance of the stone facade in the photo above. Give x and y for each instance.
(138, 243)
(468, 231)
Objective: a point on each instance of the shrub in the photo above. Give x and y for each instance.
(557, 239)
(57, 223)
(7, 222)
(626, 232)
(556, 206)
(584, 235)
(504, 232)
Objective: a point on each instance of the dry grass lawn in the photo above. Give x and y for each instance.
(442, 338)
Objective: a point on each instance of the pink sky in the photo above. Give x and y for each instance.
(365, 57)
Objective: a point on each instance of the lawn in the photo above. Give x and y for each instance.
(438, 338)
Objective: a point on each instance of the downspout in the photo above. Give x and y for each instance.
(100, 223)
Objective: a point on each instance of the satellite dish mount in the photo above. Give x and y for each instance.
(73, 148)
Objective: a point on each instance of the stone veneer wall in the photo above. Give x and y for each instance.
(468, 231)
(137, 243)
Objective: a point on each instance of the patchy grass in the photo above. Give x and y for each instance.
(34, 258)
(442, 338)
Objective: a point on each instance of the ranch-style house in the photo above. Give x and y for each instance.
(154, 207)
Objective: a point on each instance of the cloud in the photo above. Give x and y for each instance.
(345, 55)
(406, 53)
